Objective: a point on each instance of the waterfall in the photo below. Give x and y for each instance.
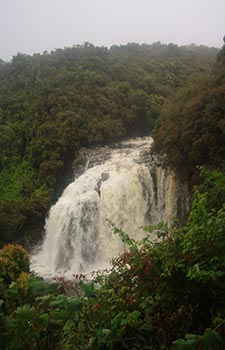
(130, 189)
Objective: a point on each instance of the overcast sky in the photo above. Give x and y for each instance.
(31, 26)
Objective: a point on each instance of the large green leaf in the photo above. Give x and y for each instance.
(26, 313)
(212, 338)
(88, 289)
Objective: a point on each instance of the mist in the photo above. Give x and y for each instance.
(31, 26)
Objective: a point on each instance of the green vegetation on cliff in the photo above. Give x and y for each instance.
(191, 128)
(54, 103)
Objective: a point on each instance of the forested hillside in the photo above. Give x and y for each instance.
(51, 104)
(191, 127)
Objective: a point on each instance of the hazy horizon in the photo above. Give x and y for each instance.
(35, 26)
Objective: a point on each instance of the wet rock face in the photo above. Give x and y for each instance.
(104, 177)
(90, 157)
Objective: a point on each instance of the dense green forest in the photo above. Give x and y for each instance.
(191, 127)
(166, 295)
(52, 104)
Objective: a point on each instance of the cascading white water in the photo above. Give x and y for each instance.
(124, 190)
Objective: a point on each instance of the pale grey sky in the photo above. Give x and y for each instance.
(31, 26)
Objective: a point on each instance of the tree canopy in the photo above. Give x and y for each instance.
(52, 104)
(191, 127)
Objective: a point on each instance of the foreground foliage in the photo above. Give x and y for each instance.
(163, 295)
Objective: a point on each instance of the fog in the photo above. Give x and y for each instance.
(31, 26)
